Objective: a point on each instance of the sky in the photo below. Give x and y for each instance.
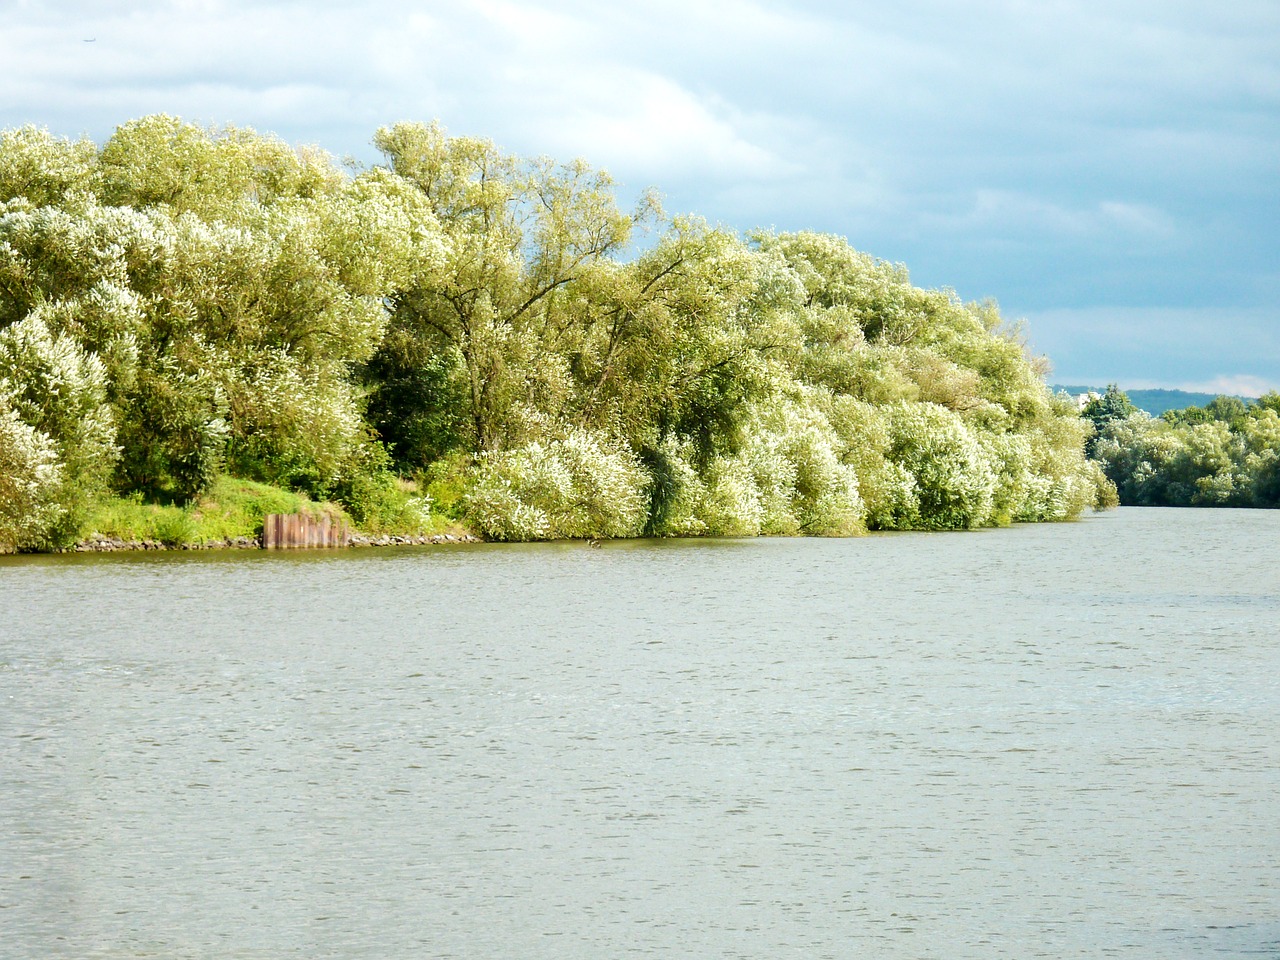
(1108, 172)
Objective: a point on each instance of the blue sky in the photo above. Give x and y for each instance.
(1107, 171)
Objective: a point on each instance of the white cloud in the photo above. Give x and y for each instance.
(1006, 212)
(567, 80)
(1231, 385)
(659, 130)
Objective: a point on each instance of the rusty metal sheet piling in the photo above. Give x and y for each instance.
(286, 531)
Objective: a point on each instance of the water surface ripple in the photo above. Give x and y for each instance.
(1046, 741)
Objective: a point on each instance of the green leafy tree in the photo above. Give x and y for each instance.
(1222, 454)
(53, 386)
(184, 302)
(1102, 411)
(30, 482)
(43, 170)
(519, 236)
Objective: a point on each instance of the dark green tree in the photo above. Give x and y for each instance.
(1104, 410)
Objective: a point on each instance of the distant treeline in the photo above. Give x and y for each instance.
(1154, 401)
(464, 332)
(1225, 453)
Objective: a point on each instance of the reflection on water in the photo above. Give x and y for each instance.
(1038, 742)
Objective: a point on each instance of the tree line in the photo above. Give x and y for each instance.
(1224, 454)
(461, 331)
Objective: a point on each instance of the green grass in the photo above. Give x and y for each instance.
(131, 519)
(231, 508)
(234, 508)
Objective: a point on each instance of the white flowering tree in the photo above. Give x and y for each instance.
(223, 283)
(579, 486)
(30, 481)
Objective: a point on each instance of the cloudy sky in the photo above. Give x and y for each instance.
(1107, 170)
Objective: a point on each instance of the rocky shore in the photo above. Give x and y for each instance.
(98, 543)
(365, 540)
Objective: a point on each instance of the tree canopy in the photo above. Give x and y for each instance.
(1226, 453)
(181, 303)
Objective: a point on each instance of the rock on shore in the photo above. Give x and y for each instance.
(365, 540)
(99, 543)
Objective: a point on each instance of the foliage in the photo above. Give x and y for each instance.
(30, 477)
(574, 487)
(471, 333)
(1226, 453)
(228, 509)
(1104, 410)
(794, 459)
(952, 485)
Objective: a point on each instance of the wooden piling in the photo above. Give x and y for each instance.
(286, 531)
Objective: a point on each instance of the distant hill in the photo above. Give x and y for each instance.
(1155, 402)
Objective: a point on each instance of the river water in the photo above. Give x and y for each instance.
(1045, 741)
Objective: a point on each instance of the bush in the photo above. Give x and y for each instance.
(576, 487)
(731, 505)
(383, 503)
(805, 487)
(292, 426)
(953, 484)
(60, 390)
(30, 477)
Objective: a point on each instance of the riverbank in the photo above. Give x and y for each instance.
(232, 515)
(99, 543)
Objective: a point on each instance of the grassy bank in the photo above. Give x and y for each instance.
(233, 509)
